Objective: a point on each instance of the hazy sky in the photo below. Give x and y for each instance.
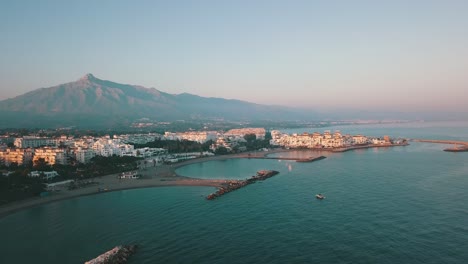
(374, 55)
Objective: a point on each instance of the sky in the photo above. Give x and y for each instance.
(368, 55)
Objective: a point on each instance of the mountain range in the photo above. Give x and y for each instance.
(92, 102)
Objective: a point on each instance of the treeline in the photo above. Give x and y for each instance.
(177, 146)
(252, 143)
(18, 185)
(100, 166)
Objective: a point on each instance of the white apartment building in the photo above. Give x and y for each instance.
(306, 140)
(147, 152)
(84, 155)
(109, 147)
(379, 141)
(16, 155)
(138, 138)
(198, 136)
(35, 142)
(50, 155)
(222, 142)
(259, 132)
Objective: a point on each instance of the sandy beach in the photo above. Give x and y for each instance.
(159, 176)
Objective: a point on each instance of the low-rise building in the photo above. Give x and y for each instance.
(129, 175)
(46, 175)
(359, 139)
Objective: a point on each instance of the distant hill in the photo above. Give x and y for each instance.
(92, 102)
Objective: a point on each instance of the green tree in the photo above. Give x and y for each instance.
(13, 166)
(206, 145)
(250, 137)
(221, 151)
(42, 165)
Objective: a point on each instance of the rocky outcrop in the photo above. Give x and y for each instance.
(117, 255)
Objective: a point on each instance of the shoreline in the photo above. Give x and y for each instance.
(160, 176)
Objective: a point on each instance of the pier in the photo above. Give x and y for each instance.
(311, 159)
(344, 149)
(452, 142)
(463, 145)
(263, 156)
(235, 185)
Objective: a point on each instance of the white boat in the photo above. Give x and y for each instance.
(319, 196)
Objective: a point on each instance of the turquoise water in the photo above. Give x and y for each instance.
(387, 205)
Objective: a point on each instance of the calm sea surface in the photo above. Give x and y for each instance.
(388, 205)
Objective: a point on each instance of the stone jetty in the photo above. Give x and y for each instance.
(457, 149)
(462, 145)
(117, 255)
(234, 185)
(453, 142)
(311, 159)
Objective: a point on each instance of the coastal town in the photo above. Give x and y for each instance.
(73, 161)
(67, 150)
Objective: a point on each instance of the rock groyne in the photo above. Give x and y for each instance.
(457, 149)
(117, 255)
(311, 159)
(235, 185)
(462, 145)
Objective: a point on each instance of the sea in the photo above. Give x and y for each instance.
(383, 205)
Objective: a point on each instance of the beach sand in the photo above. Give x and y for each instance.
(159, 176)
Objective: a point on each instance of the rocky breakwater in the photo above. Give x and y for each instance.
(235, 185)
(311, 159)
(463, 148)
(117, 255)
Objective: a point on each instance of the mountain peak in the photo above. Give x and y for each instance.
(90, 101)
(88, 77)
